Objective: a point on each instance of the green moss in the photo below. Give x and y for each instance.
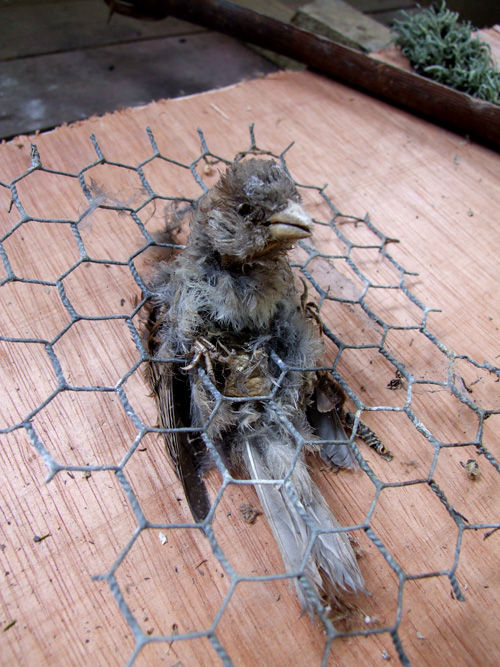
(442, 47)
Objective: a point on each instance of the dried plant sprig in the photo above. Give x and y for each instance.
(448, 50)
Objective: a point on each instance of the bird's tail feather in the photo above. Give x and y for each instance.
(331, 565)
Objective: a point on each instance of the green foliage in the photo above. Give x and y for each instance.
(442, 47)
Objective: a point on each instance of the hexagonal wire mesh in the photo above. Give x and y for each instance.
(363, 326)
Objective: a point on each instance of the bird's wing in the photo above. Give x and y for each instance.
(172, 391)
(324, 415)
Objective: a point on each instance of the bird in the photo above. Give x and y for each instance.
(234, 358)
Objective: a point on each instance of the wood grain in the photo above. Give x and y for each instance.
(434, 191)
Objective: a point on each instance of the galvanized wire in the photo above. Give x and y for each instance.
(335, 224)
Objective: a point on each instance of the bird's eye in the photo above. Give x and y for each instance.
(246, 210)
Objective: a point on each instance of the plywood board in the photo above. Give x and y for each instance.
(432, 190)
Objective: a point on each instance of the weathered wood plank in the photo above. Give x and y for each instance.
(373, 6)
(338, 21)
(65, 25)
(282, 11)
(41, 92)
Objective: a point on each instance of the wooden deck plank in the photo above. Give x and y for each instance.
(375, 6)
(50, 27)
(338, 21)
(49, 90)
(431, 189)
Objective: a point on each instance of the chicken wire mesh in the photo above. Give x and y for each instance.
(369, 317)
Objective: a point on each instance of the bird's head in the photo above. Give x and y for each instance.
(252, 211)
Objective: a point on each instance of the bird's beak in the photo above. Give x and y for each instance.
(290, 224)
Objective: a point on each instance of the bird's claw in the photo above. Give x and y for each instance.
(309, 308)
(203, 348)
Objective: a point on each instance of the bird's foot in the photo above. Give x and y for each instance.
(202, 348)
(309, 308)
